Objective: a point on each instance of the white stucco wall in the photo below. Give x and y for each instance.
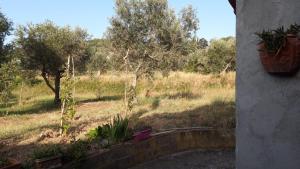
(268, 107)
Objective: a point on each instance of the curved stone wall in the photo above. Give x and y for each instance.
(160, 144)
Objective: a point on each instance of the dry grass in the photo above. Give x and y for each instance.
(181, 100)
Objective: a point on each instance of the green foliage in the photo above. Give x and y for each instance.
(46, 48)
(94, 133)
(155, 103)
(273, 39)
(3, 161)
(192, 62)
(8, 66)
(46, 152)
(276, 38)
(100, 53)
(189, 21)
(8, 74)
(5, 30)
(150, 32)
(115, 132)
(131, 96)
(77, 151)
(68, 103)
(218, 57)
(294, 29)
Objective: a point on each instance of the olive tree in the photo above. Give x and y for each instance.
(99, 56)
(7, 63)
(218, 57)
(46, 49)
(147, 36)
(5, 30)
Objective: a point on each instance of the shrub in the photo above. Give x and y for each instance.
(47, 151)
(77, 150)
(115, 131)
(3, 161)
(155, 103)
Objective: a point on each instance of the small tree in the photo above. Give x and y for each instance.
(68, 93)
(46, 49)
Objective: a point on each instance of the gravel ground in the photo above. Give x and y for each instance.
(193, 160)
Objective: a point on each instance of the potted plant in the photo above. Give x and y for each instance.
(279, 50)
(9, 163)
(48, 157)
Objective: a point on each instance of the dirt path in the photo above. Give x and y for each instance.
(193, 160)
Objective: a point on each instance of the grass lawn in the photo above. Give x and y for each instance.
(180, 100)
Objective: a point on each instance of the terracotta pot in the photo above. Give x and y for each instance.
(142, 135)
(13, 164)
(49, 163)
(285, 61)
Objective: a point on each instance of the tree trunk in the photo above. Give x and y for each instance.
(126, 87)
(133, 85)
(57, 88)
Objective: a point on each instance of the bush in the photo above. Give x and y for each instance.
(115, 131)
(155, 103)
(3, 161)
(47, 151)
(77, 150)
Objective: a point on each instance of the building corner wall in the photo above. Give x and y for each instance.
(268, 107)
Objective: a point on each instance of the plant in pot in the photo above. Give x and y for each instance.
(48, 157)
(9, 163)
(279, 50)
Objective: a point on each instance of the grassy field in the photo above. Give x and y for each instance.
(180, 100)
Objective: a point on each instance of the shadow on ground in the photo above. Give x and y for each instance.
(103, 98)
(46, 105)
(219, 114)
(36, 108)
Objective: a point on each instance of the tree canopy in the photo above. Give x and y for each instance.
(46, 48)
(5, 30)
(218, 57)
(150, 33)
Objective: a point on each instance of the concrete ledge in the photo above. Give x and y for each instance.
(160, 144)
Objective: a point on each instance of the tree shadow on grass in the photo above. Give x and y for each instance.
(38, 107)
(46, 105)
(219, 114)
(103, 98)
(181, 95)
(17, 137)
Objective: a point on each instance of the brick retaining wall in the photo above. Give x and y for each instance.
(160, 144)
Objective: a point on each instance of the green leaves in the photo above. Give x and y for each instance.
(218, 57)
(275, 39)
(47, 46)
(189, 21)
(115, 131)
(8, 74)
(67, 95)
(294, 29)
(47, 151)
(152, 33)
